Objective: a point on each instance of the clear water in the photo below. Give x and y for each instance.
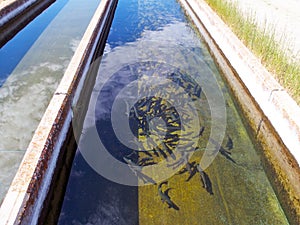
(31, 66)
(13, 51)
(158, 110)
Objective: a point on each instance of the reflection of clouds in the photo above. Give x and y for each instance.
(105, 214)
(9, 163)
(173, 46)
(178, 33)
(107, 49)
(23, 99)
(51, 66)
(172, 40)
(74, 43)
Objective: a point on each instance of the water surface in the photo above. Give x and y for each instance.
(152, 120)
(31, 66)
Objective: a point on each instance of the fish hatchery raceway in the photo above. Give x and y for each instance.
(270, 105)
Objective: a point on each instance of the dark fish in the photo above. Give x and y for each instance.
(147, 162)
(169, 138)
(170, 110)
(142, 103)
(162, 153)
(174, 122)
(147, 153)
(192, 170)
(182, 171)
(144, 161)
(197, 91)
(226, 154)
(205, 180)
(201, 131)
(148, 105)
(165, 147)
(189, 167)
(172, 128)
(155, 152)
(137, 170)
(188, 88)
(223, 151)
(164, 195)
(174, 116)
(229, 144)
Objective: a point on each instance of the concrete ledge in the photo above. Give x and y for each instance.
(16, 14)
(273, 116)
(26, 196)
(12, 8)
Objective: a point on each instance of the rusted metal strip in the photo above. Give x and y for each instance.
(17, 14)
(11, 9)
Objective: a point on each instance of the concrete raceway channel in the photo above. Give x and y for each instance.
(272, 115)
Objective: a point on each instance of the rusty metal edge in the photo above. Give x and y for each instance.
(25, 197)
(11, 9)
(272, 114)
(22, 16)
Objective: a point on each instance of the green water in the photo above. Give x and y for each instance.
(149, 127)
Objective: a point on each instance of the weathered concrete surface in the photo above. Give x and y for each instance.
(25, 198)
(272, 114)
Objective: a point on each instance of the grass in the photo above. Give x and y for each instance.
(272, 54)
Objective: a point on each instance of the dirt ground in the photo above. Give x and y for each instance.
(281, 16)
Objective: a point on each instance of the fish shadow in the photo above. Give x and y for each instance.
(171, 204)
(208, 184)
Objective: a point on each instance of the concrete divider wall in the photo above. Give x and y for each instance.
(12, 8)
(16, 14)
(26, 196)
(270, 113)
